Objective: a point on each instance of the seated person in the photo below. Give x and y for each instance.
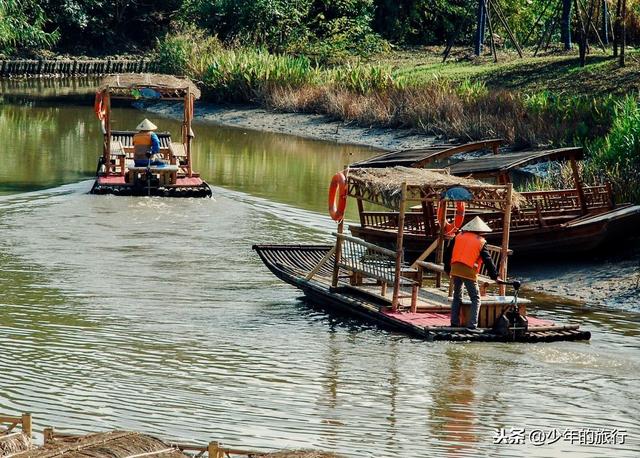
(146, 145)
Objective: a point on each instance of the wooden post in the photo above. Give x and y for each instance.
(414, 299)
(338, 256)
(440, 246)
(214, 451)
(48, 434)
(399, 240)
(106, 100)
(360, 209)
(26, 424)
(187, 129)
(576, 178)
(610, 196)
(506, 225)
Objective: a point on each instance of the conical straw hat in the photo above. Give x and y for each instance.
(476, 225)
(146, 125)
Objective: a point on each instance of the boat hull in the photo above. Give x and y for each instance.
(579, 236)
(194, 187)
(292, 263)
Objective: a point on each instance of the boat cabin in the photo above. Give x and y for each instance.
(174, 175)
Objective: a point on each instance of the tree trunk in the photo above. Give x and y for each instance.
(605, 22)
(616, 27)
(623, 32)
(582, 41)
(481, 25)
(565, 28)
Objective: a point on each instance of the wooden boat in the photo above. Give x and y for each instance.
(116, 172)
(560, 221)
(377, 284)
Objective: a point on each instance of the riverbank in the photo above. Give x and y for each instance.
(314, 126)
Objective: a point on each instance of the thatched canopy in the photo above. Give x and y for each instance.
(15, 442)
(384, 186)
(114, 444)
(167, 85)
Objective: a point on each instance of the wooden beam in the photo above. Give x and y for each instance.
(322, 262)
(425, 254)
(399, 240)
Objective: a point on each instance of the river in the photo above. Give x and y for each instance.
(155, 315)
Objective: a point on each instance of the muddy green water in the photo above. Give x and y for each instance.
(155, 315)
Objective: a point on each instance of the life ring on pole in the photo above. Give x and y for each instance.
(98, 106)
(338, 196)
(451, 228)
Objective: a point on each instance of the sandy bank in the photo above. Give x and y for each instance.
(318, 127)
(608, 281)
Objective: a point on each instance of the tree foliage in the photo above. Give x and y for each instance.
(22, 24)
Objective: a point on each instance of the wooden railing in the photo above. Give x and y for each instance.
(540, 208)
(367, 259)
(8, 424)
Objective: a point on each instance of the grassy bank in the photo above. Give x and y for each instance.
(547, 101)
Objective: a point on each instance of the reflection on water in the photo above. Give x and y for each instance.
(154, 314)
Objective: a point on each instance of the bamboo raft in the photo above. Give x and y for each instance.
(377, 284)
(116, 171)
(294, 263)
(17, 443)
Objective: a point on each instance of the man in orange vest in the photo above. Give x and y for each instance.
(469, 252)
(145, 143)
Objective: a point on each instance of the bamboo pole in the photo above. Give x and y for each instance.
(399, 240)
(504, 249)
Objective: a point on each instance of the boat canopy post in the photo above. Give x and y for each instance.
(440, 246)
(106, 152)
(186, 129)
(504, 248)
(399, 251)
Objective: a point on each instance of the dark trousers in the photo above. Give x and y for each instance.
(474, 294)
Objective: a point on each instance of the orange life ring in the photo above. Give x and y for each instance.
(338, 196)
(98, 106)
(458, 220)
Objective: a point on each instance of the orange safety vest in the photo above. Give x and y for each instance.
(141, 145)
(467, 248)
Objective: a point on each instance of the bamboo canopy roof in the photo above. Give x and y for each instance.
(503, 163)
(167, 86)
(421, 157)
(384, 185)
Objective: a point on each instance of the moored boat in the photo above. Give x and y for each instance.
(376, 283)
(117, 172)
(568, 221)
